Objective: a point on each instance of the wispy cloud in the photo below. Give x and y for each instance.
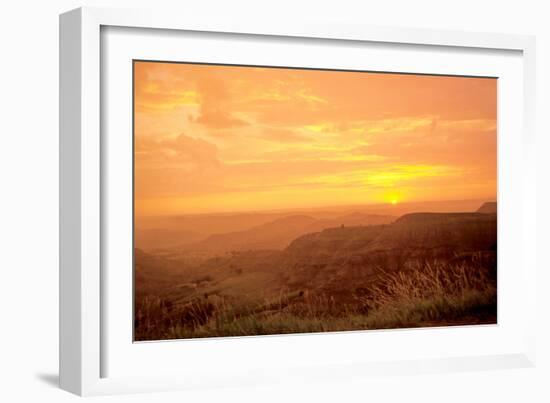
(269, 137)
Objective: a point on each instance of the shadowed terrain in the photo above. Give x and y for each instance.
(320, 272)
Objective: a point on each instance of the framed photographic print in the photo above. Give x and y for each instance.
(285, 200)
(237, 198)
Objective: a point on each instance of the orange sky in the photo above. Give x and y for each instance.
(226, 138)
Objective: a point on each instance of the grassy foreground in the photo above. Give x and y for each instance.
(429, 295)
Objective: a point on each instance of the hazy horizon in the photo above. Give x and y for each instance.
(470, 204)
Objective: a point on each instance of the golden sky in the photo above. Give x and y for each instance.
(228, 138)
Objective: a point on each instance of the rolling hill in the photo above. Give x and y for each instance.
(279, 233)
(333, 261)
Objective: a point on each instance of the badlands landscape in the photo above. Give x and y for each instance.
(315, 271)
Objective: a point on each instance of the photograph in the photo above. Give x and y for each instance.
(282, 200)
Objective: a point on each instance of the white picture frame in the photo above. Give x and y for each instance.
(85, 346)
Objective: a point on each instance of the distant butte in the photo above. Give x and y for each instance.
(488, 208)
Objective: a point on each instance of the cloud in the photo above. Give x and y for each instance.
(382, 178)
(176, 165)
(153, 100)
(179, 149)
(372, 126)
(278, 94)
(214, 116)
(282, 135)
(296, 135)
(158, 91)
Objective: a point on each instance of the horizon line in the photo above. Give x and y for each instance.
(320, 208)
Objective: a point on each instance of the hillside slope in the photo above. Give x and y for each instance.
(279, 233)
(424, 269)
(488, 208)
(335, 260)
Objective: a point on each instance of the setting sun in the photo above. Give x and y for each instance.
(233, 138)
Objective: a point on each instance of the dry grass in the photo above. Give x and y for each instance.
(429, 281)
(432, 294)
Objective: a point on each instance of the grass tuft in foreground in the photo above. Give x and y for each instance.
(428, 295)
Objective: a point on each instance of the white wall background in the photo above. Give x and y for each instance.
(29, 201)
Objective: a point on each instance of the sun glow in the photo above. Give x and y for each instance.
(212, 138)
(393, 197)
